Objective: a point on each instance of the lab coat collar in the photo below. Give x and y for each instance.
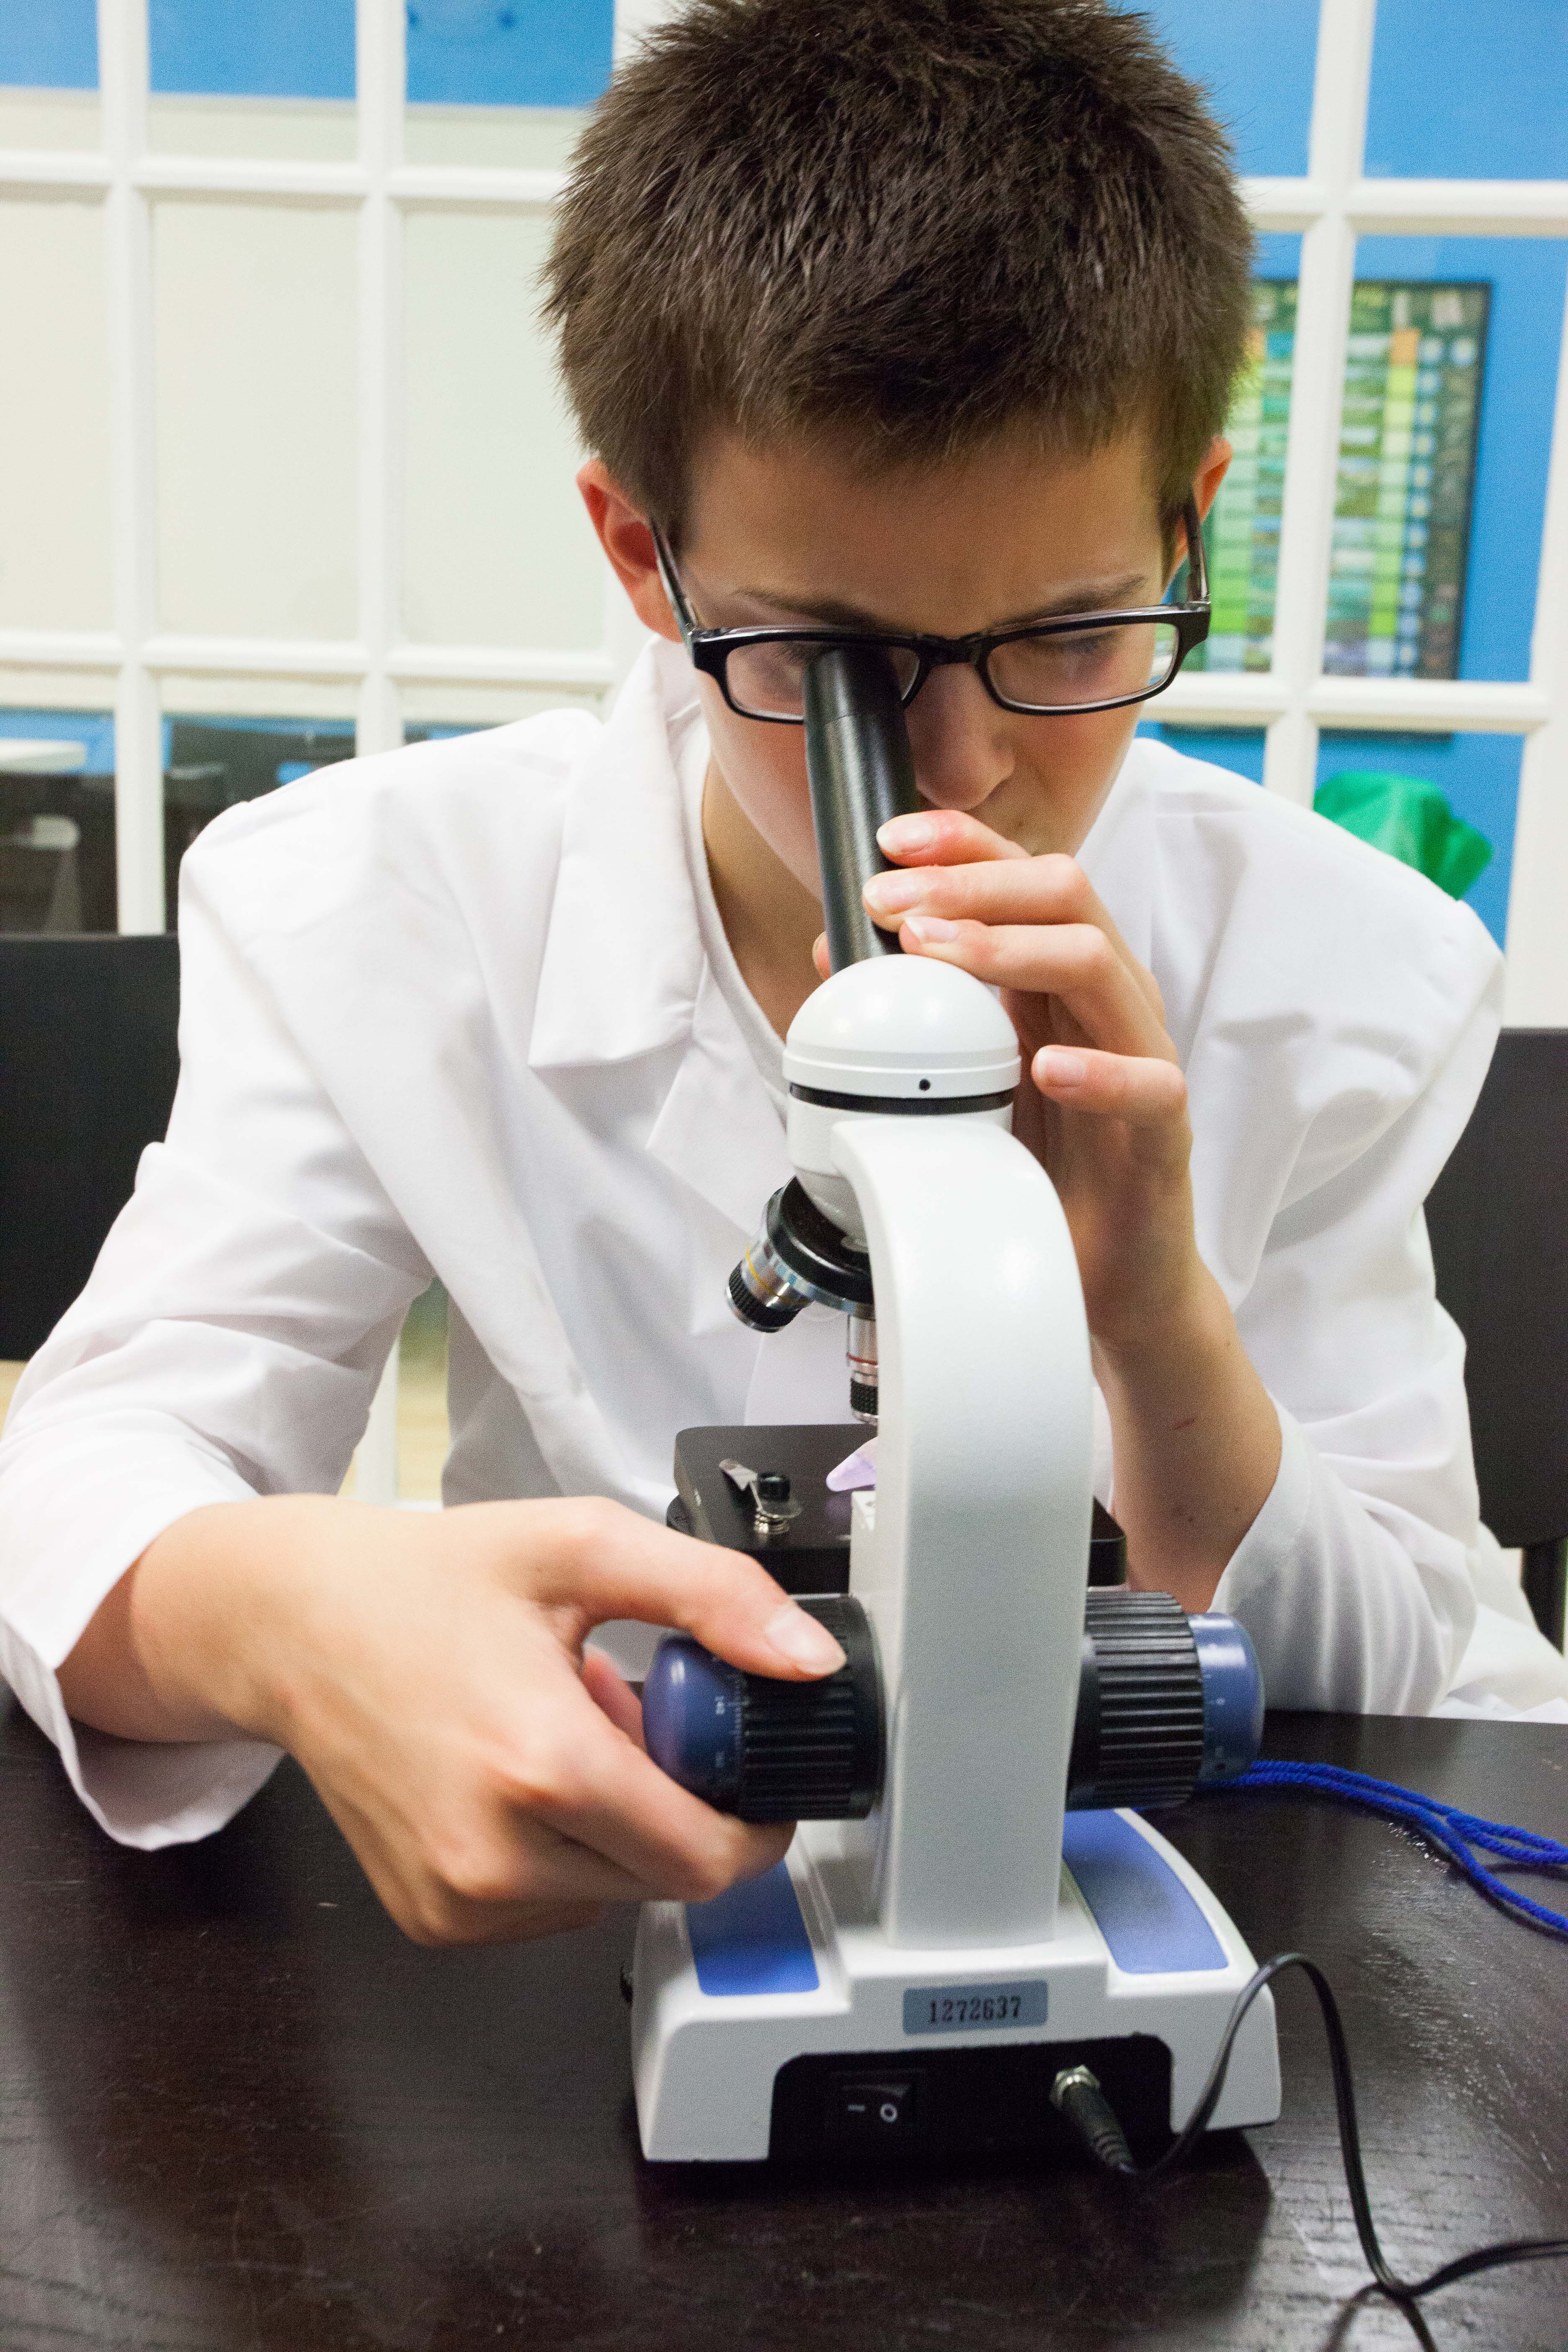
(624, 972)
(623, 956)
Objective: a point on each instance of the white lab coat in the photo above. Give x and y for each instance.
(447, 1011)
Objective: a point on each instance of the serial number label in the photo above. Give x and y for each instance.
(959, 2008)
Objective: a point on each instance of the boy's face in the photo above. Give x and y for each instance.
(1003, 535)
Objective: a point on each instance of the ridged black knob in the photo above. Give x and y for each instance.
(1139, 1737)
(771, 1751)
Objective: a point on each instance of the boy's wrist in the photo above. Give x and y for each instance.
(193, 1642)
(1169, 1338)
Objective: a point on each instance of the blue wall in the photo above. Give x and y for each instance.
(509, 52)
(1255, 57)
(460, 52)
(1468, 89)
(49, 44)
(253, 48)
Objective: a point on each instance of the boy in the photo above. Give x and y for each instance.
(917, 319)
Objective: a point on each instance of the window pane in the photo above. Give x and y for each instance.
(1525, 278)
(1477, 775)
(498, 549)
(48, 75)
(1446, 434)
(435, 711)
(1402, 509)
(505, 84)
(1255, 58)
(256, 435)
(1242, 533)
(57, 821)
(54, 419)
(509, 52)
(1465, 90)
(273, 78)
(213, 761)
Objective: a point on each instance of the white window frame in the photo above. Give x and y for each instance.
(1329, 208)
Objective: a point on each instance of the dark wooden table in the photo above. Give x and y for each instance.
(238, 2110)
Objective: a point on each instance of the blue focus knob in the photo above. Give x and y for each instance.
(1167, 1703)
(772, 1750)
(1233, 1698)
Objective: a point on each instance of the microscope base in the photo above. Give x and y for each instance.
(777, 2020)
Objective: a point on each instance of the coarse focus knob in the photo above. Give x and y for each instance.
(1167, 1703)
(767, 1750)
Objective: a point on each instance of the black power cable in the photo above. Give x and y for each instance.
(1078, 2098)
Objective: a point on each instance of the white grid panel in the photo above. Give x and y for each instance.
(1328, 209)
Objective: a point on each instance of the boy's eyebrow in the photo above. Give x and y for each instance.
(832, 612)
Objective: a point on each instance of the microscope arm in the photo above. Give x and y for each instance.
(973, 1572)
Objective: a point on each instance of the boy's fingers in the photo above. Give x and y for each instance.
(1075, 962)
(1046, 891)
(1142, 1090)
(613, 1802)
(613, 1695)
(615, 1564)
(943, 837)
(820, 956)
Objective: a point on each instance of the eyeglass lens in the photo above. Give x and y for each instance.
(1062, 672)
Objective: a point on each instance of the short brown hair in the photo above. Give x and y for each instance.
(904, 225)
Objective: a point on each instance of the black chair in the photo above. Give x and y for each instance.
(1498, 1216)
(87, 1065)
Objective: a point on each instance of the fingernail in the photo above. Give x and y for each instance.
(888, 892)
(906, 832)
(801, 1640)
(1054, 1067)
(930, 929)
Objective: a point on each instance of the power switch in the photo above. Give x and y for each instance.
(886, 2110)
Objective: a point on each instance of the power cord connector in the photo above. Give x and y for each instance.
(1077, 2095)
(1078, 2099)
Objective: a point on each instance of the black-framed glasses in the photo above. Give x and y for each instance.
(1046, 669)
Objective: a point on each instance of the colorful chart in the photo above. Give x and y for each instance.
(1402, 505)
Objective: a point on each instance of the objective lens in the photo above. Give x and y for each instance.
(763, 1294)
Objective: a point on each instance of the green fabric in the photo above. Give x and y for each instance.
(1411, 820)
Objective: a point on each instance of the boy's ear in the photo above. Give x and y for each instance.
(1212, 472)
(627, 541)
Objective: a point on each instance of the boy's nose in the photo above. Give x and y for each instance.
(960, 740)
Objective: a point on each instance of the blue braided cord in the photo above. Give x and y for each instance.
(1454, 1833)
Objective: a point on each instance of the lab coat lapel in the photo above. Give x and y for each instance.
(623, 956)
(718, 1130)
(624, 972)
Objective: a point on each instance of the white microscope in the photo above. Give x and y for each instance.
(968, 1907)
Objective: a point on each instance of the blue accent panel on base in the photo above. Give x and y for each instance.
(752, 1938)
(1146, 1916)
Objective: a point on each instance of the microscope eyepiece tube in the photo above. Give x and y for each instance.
(861, 773)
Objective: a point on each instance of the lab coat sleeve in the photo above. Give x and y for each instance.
(227, 1346)
(1355, 1581)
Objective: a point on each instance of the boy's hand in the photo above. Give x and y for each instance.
(429, 1671)
(1103, 1104)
